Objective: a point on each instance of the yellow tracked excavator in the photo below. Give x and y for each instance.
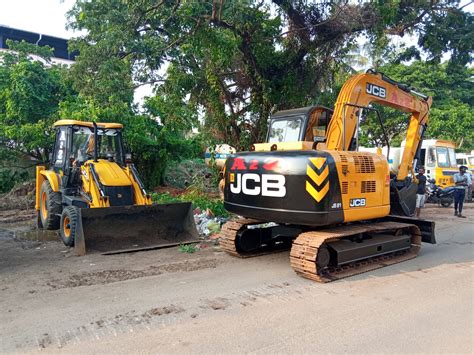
(339, 209)
(93, 194)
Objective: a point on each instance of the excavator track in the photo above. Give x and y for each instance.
(307, 246)
(228, 238)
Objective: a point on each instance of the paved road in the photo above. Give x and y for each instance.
(167, 302)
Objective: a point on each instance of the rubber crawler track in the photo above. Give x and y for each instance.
(229, 234)
(304, 251)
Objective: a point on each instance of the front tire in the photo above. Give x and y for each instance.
(49, 206)
(68, 228)
(446, 202)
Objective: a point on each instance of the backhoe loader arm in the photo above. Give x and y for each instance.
(371, 87)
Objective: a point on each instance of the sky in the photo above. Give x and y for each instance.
(47, 17)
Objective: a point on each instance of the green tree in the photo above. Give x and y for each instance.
(31, 89)
(237, 61)
(451, 115)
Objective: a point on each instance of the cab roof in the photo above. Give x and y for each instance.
(87, 124)
(299, 111)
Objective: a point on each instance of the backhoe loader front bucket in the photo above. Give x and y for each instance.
(113, 230)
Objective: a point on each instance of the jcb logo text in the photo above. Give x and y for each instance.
(272, 185)
(376, 90)
(357, 202)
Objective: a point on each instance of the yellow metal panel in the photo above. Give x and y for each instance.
(110, 125)
(266, 147)
(317, 195)
(52, 178)
(39, 181)
(444, 180)
(111, 174)
(72, 123)
(377, 203)
(87, 124)
(363, 213)
(317, 178)
(90, 188)
(139, 198)
(318, 162)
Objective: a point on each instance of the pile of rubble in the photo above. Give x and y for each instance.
(21, 197)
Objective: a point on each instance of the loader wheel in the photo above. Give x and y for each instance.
(49, 206)
(69, 219)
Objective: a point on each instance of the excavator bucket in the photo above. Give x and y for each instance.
(403, 199)
(114, 230)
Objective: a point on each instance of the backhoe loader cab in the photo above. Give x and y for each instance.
(75, 144)
(93, 194)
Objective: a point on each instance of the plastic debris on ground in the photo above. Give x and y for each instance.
(207, 224)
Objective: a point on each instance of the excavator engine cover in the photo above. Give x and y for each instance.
(114, 230)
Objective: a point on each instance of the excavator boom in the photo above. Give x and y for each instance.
(359, 92)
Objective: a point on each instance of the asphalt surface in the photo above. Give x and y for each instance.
(208, 302)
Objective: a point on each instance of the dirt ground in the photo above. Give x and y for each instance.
(168, 301)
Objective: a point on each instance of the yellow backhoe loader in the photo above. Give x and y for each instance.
(92, 193)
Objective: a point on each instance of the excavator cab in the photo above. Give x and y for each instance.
(303, 124)
(93, 194)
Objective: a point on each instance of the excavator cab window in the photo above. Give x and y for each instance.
(285, 129)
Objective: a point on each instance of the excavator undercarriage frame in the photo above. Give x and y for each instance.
(329, 254)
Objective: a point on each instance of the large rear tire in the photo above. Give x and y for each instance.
(49, 206)
(68, 229)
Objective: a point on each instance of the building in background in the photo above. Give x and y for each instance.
(59, 45)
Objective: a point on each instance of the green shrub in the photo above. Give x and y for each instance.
(188, 248)
(9, 178)
(198, 200)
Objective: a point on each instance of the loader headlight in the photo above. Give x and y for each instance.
(128, 158)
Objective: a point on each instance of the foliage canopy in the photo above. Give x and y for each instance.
(235, 62)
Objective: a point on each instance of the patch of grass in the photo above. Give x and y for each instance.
(188, 248)
(198, 199)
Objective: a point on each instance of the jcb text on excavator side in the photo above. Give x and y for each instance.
(93, 194)
(344, 211)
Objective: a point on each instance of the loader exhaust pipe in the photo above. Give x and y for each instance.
(96, 135)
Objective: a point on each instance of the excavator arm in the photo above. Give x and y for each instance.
(363, 89)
